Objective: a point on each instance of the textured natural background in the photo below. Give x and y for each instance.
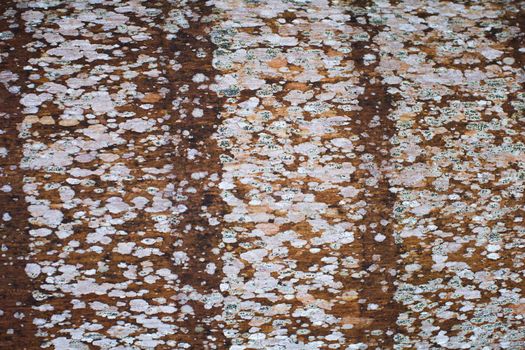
(262, 174)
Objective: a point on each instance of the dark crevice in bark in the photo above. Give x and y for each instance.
(16, 326)
(379, 254)
(203, 238)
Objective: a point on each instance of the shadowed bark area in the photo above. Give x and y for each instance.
(124, 252)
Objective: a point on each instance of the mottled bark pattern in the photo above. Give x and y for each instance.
(262, 174)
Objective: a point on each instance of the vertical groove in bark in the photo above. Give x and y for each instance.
(379, 251)
(193, 50)
(16, 323)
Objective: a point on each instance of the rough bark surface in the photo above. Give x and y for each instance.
(262, 174)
